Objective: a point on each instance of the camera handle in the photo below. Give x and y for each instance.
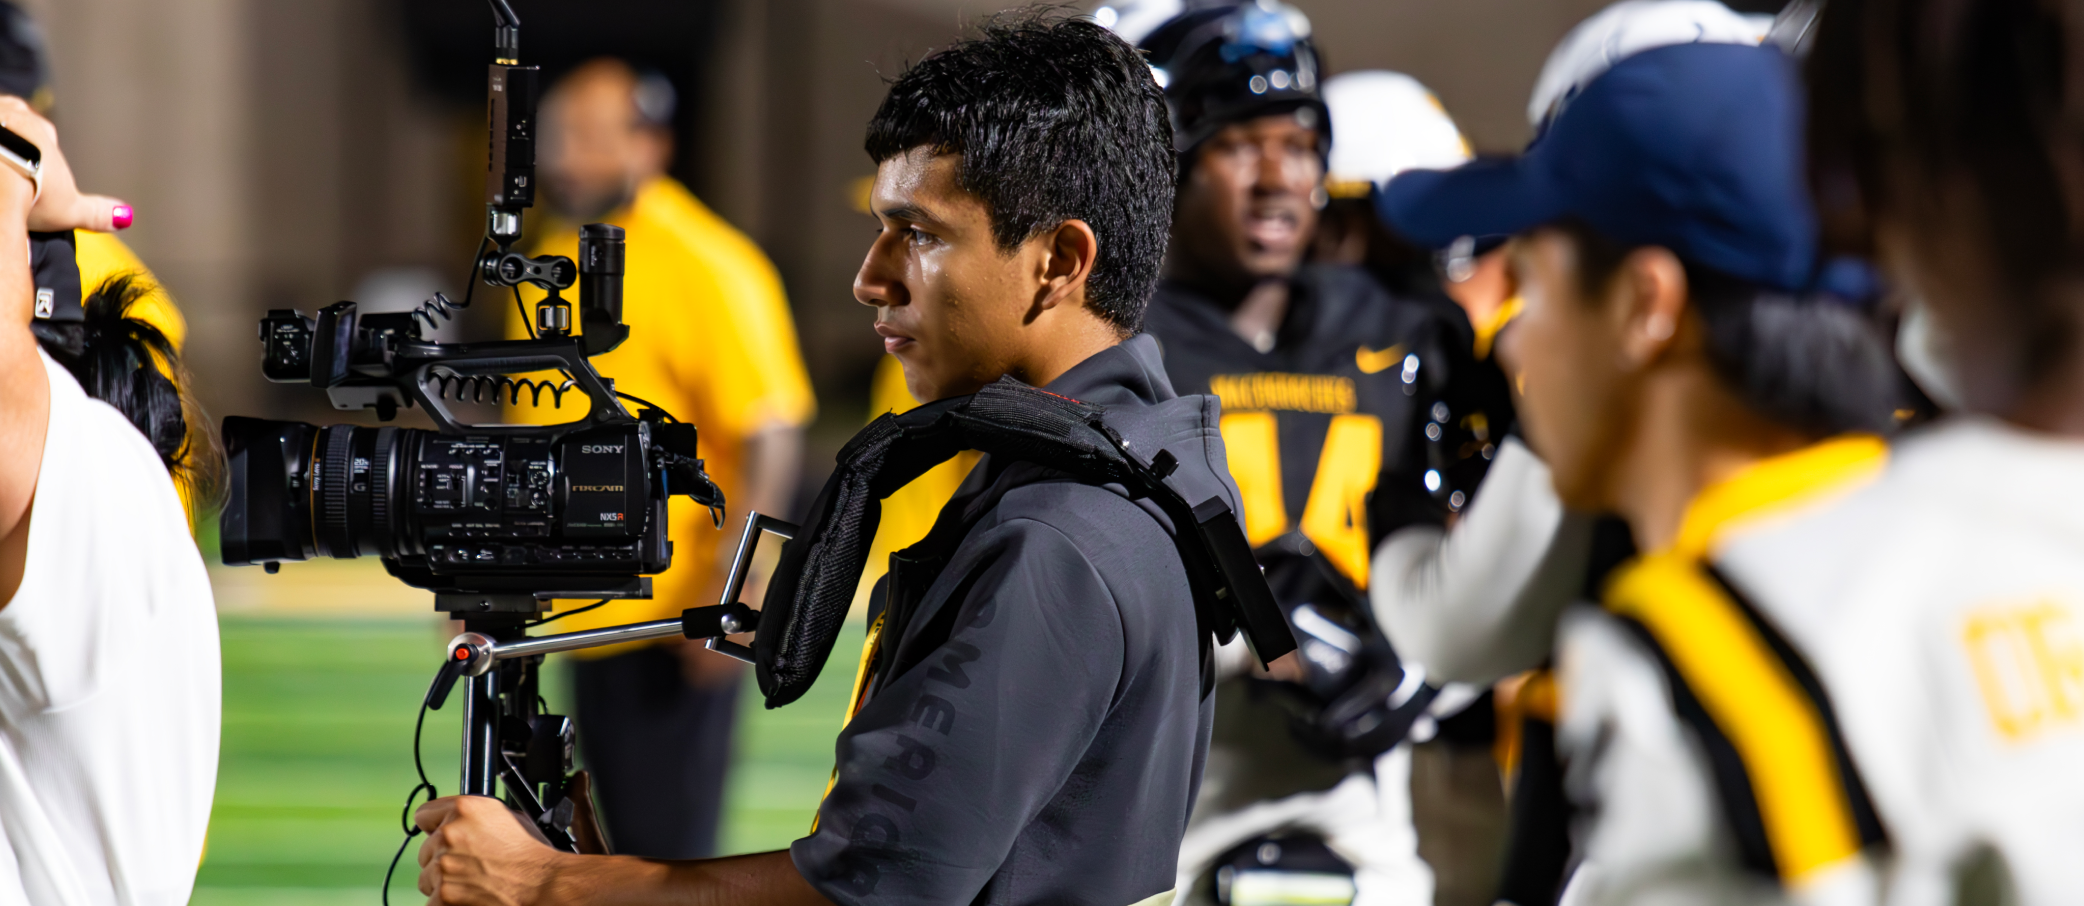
(466, 361)
(476, 658)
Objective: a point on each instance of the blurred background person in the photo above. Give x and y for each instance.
(1326, 381)
(1944, 141)
(1479, 601)
(713, 343)
(109, 703)
(1383, 124)
(1706, 379)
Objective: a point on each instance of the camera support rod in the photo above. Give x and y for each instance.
(475, 652)
(472, 654)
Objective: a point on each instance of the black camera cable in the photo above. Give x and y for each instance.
(405, 817)
(470, 281)
(706, 492)
(648, 405)
(526, 321)
(560, 616)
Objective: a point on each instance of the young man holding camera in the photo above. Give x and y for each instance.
(1046, 744)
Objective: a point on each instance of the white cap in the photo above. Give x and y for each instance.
(1624, 30)
(1384, 123)
(1134, 20)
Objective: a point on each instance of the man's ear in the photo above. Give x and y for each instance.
(1068, 255)
(1651, 287)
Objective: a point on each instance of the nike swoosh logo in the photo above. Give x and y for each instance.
(1375, 360)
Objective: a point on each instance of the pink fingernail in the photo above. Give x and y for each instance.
(121, 217)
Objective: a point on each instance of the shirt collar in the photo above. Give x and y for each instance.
(1777, 484)
(1131, 372)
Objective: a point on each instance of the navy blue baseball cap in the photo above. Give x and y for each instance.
(1693, 147)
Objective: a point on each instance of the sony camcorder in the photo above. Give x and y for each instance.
(498, 520)
(493, 518)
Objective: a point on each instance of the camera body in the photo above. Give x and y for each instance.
(491, 517)
(576, 513)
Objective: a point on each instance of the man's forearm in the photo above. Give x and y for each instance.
(762, 879)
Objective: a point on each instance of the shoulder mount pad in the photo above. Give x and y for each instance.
(814, 582)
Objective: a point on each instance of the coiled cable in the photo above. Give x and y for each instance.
(440, 306)
(483, 388)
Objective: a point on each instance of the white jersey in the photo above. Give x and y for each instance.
(1706, 764)
(1935, 609)
(109, 685)
(1944, 608)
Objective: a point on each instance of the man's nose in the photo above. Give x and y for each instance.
(877, 282)
(1273, 174)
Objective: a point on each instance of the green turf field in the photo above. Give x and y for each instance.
(317, 758)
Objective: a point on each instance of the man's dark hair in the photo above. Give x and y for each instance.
(1813, 364)
(1959, 123)
(1056, 119)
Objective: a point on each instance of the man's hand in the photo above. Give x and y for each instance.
(478, 853)
(61, 206)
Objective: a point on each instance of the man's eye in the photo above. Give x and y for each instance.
(916, 234)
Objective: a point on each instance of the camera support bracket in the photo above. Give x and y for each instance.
(474, 657)
(480, 603)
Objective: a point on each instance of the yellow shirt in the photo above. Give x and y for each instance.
(711, 340)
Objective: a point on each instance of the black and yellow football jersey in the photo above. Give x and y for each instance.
(1327, 431)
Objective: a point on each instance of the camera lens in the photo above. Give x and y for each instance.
(355, 494)
(299, 491)
(267, 513)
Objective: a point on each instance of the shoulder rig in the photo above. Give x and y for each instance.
(813, 585)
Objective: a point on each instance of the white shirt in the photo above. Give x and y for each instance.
(1943, 607)
(109, 688)
(1480, 602)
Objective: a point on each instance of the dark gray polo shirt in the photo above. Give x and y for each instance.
(1046, 741)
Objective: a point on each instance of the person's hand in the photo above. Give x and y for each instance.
(478, 853)
(61, 206)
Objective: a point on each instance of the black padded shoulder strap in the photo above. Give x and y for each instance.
(814, 583)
